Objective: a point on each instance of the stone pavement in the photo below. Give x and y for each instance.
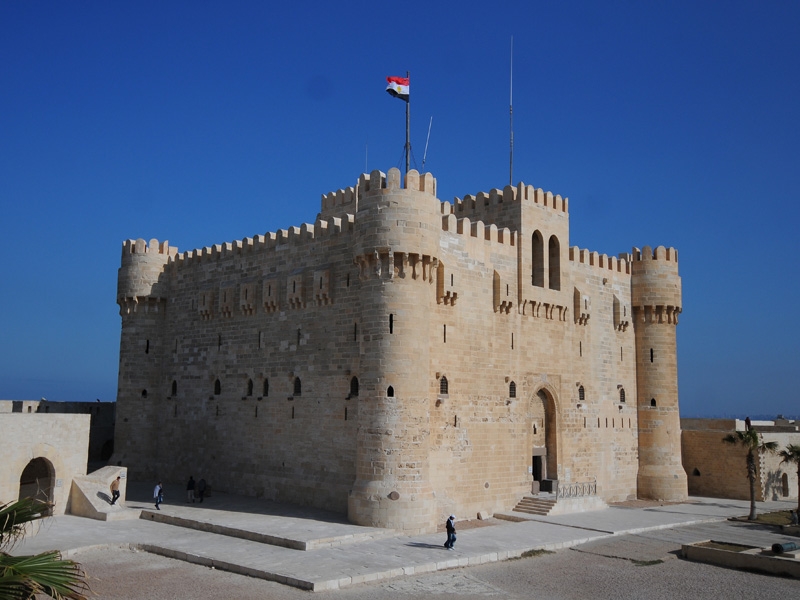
(317, 550)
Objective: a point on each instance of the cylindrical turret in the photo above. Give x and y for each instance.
(141, 270)
(142, 297)
(397, 233)
(656, 302)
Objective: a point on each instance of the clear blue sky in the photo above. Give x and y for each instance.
(674, 123)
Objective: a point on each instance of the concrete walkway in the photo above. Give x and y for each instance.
(318, 550)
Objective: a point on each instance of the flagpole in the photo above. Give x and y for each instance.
(511, 117)
(408, 124)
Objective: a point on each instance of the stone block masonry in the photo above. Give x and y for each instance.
(401, 358)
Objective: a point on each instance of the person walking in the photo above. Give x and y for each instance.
(158, 494)
(115, 490)
(190, 490)
(450, 525)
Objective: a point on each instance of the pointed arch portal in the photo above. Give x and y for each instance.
(544, 415)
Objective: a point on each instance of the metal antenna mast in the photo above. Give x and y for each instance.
(511, 117)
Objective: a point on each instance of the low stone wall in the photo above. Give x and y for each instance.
(55, 446)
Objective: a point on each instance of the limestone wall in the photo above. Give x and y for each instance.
(405, 361)
(60, 440)
(719, 470)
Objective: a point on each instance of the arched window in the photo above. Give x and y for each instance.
(144, 395)
(390, 392)
(249, 387)
(622, 395)
(537, 259)
(298, 387)
(266, 387)
(354, 386)
(443, 386)
(581, 394)
(174, 388)
(555, 263)
(653, 402)
(512, 390)
(217, 388)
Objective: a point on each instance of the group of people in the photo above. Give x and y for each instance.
(192, 486)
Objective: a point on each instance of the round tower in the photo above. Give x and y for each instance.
(656, 302)
(397, 237)
(141, 295)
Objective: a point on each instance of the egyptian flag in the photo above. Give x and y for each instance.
(398, 87)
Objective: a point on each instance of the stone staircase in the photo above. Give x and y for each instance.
(536, 505)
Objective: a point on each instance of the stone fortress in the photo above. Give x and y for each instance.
(404, 358)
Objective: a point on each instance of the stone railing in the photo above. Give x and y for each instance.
(576, 490)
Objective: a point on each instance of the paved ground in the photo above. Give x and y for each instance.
(353, 558)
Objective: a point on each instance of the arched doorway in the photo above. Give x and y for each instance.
(38, 480)
(544, 429)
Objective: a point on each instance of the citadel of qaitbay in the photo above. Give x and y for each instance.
(404, 358)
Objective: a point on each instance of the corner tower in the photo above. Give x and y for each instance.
(397, 241)
(656, 302)
(142, 292)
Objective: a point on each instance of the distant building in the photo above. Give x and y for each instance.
(718, 470)
(404, 358)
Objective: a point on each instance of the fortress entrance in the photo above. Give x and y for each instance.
(545, 441)
(37, 480)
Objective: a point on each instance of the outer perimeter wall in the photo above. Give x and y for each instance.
(258, 364)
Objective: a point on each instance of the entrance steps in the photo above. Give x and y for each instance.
(540, 505)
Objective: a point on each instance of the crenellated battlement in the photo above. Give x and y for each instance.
(340, 198)
(376, 181)
(486, 203)
(647, 253)
(303, 234)
(479, 229)
(600, 261)
(141, 247)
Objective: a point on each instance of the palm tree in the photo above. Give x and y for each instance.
(755, 445)
(791, 454)
(22, 577)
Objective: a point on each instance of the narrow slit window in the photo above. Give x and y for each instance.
(298, 386)
(444, 333)
(266, 387)
(651, 355)
(174, 388)
(147, 347)
(354, 386)
(391, 323)
(249, 387)
(217, 388)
